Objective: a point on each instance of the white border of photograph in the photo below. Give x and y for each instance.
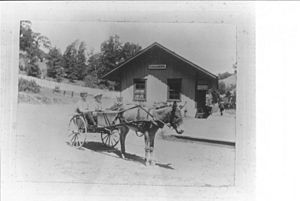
(242, 15)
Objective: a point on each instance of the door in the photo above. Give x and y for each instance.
(200, 94)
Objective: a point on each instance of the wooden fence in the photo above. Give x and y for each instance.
(69, 87)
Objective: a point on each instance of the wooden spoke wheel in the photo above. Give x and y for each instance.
(77, 131)
(110, 137)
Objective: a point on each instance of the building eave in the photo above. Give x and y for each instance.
(167, 50)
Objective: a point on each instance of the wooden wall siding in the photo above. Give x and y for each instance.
(157, 88)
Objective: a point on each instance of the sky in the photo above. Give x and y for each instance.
(211, 46)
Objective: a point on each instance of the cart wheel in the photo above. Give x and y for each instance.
(111, 137)
(77, 131)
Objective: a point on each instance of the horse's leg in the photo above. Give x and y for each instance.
(152, 134)
(123, 133)
(147, 148)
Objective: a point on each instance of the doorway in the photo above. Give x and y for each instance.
(200, 100)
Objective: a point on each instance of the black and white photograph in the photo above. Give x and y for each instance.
(119, 96)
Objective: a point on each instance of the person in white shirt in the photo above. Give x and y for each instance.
(83, 107)
(97, 105)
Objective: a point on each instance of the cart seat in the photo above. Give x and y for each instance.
(106, 117)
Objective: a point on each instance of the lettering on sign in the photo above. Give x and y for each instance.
(157, 66)
(202, 87)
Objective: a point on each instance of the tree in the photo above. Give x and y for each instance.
(95, 69)
(80, 67)
(69, 60)
(54, 65)
(234, 66)
(30, 43)
(91, 80)
(113, 53)
(129, 50)
(222, 87)
(74, 61)
(228, 94)
(33, 70)
(225, 75)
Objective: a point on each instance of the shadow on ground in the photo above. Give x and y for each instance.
(102, 148)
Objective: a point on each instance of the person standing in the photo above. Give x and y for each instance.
(221, 106)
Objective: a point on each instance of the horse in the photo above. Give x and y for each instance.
(148, 121)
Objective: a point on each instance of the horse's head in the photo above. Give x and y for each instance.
(176, 118)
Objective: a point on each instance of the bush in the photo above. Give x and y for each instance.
(30, 86)
(91, 81)
(33, 70)
(56, 89)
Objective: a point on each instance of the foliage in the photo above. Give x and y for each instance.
(81, 66)
(56, 89)
(129, 50)
(111, 51)
(31, 86)
(95, 65)
(74, 61)
(228, 94)
(33, 70)
(225, 75)
(54, 64)
(222, 87)
(91, 81)
(69, 60)
(31, 43)
(114, 52)
(234, 66)
(215, 96)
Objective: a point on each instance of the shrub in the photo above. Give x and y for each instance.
(30, 86)
(56, 89)
(33, 70)
(222, 87)
(91, 81)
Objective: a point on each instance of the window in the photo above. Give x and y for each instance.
(174, 89)
(139, 93)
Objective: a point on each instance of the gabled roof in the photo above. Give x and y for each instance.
(167, 50)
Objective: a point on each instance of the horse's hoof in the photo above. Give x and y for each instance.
(152, 163)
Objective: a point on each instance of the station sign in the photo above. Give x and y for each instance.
(157, 66)
(202, 87)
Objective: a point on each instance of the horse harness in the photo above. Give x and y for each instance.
(143, 125)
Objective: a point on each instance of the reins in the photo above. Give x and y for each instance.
(148, 113)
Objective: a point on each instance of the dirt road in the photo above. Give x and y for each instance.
(42, 155)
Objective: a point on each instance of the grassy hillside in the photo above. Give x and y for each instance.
(47, 96)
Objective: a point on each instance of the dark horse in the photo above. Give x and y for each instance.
(147, 122)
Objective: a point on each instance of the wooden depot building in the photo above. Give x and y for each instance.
(156, 74)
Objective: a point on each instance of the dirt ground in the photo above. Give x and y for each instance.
(42, 155)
